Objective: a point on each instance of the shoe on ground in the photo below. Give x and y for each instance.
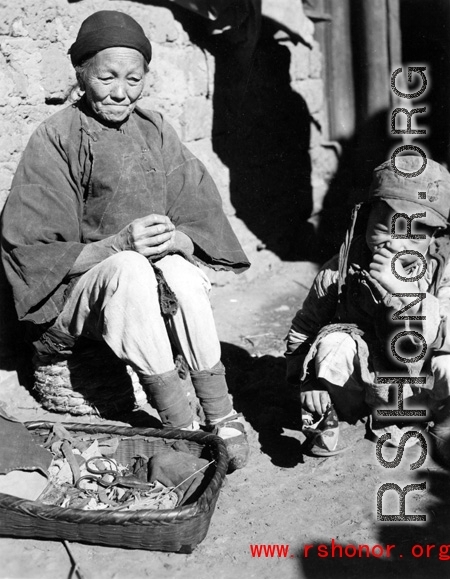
(440, 444)
(378, 428)
(232, 432)
(322, 437)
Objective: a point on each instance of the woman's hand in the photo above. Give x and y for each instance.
(151, 236)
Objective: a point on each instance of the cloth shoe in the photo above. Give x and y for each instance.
(322, 436)
(378, 428)
(439, 432)
(440, 449)
(232, 431)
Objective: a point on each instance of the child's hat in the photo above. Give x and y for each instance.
(429, 191)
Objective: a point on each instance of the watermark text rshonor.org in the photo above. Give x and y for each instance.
(335, 550)
(400, 412)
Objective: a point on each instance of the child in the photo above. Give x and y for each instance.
(341, 340)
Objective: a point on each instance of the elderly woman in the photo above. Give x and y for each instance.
(107, 218)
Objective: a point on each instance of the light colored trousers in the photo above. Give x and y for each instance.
(337, 362)
(117, 301)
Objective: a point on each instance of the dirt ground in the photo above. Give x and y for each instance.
(282, 497)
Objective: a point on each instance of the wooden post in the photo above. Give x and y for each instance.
(340, 72)
(395, 42)
(375, 60)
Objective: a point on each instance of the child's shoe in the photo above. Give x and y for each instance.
(440, 450)
(322, 437)
(378, 428)
(439, 431)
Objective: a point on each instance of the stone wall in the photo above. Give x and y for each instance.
(35, 75)
(35, 71)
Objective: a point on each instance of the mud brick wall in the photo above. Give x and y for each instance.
(35, 75)
(35, 71)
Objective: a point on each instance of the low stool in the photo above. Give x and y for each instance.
(91, 381)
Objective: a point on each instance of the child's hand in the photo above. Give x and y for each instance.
(381, 271)
(315, 401)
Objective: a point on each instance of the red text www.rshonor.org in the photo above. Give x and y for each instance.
(335, 550)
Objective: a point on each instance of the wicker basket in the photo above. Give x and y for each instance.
(177, 530)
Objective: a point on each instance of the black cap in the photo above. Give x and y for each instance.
(105, 29)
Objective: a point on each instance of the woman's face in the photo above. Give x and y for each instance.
(113, 83)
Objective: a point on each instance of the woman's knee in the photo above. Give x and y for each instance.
(128, 264)
(184, 278)
(126, 259)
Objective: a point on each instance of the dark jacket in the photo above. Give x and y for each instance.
(58, 201)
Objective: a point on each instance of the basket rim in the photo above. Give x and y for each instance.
(143, 516)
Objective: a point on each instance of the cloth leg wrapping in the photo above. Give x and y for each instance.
(212, 391)
(167, 395)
